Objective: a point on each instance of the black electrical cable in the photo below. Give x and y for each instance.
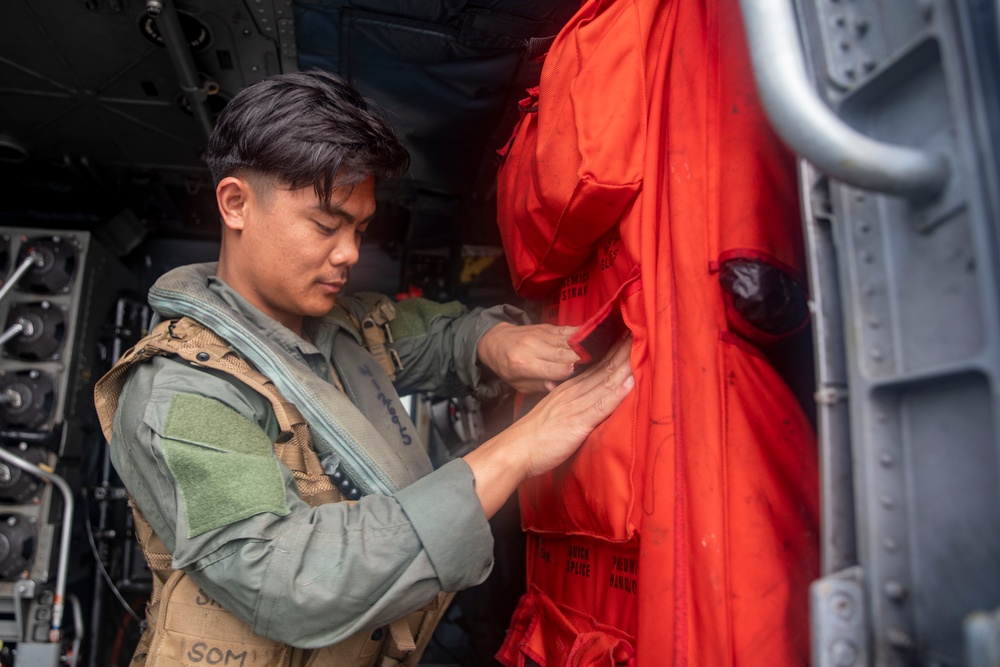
(104, 573)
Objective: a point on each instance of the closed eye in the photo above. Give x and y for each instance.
(324, 230)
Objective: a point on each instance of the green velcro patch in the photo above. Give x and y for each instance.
(222, 462)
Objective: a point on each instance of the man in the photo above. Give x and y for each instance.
(235, 496)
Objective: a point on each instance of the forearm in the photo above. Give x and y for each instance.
(444, 359)
(497, 475)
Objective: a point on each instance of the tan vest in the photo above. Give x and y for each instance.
(187, 627)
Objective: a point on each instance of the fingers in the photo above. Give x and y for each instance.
(563, 419)
(553, 343)
(615, 382)
(563, 331)
(594, 394)
(616, 359)
(590, 398)
(543, 355)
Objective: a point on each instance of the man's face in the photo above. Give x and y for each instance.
(296, 253)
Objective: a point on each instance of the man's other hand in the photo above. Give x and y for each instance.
(552, 430)
(530, 358)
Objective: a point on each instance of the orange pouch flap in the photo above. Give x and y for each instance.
(552, 635)
(598, 334)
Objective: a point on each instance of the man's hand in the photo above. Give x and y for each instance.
(553, 430)
(529, 358)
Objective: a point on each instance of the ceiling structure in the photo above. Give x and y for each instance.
(105, 106)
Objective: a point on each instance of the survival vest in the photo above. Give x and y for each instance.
(184, 626)
(644, 189)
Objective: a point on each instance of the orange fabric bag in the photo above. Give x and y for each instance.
(684, 532)
(575, 160)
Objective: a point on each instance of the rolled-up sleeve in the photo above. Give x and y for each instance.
(355, 567)
(443, 359)
(438, 503)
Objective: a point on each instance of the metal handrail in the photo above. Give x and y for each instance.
(812, 129)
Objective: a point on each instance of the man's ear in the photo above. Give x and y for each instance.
(235, 197)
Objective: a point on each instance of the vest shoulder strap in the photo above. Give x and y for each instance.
(200, 346)
(372, 330)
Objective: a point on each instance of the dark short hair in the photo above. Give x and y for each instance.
(304, 128)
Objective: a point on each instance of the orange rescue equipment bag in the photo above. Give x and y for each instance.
(683, 532)
(575, 160)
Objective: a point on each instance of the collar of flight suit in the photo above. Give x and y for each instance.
(367, 455)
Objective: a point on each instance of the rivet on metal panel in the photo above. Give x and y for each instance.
(861, 25)
(844, 45)
(840, 21)
(864, 227)
(849, 72)
(829, 395)
(844, 653)
(876, 354)
(867, 257)
(899, 638)
(894, 590)
(868, 65)
(842, 606)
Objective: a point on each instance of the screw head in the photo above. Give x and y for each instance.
(899, 638)
(844, 653)
(842, 606)
(894, 590)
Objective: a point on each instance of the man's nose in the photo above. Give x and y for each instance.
(345, 252)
